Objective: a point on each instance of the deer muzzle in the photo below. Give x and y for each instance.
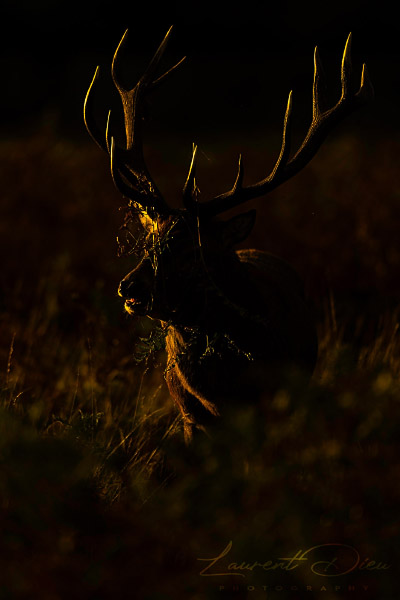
(136, 288)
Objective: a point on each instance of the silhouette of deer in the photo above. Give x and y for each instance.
(235, 321)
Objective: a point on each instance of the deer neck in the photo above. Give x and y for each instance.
(227, 315)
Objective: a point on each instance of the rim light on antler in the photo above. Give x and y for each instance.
(128, 167)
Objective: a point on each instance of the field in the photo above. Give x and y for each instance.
(99, 497)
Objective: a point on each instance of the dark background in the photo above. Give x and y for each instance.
(241, 57)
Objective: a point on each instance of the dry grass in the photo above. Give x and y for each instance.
(99, 498)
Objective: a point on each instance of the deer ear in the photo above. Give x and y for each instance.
(238, 228)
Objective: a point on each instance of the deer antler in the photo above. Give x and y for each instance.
(322, 122)
(128, 167)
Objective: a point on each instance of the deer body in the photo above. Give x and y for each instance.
(257, 327)
(236, 320)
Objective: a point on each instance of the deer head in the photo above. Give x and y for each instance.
(189, 243)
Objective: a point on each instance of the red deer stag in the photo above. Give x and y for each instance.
(235, 320)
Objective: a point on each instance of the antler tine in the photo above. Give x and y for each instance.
(189, 189)
(95, 133)
(240, 174)
(286, 138)
(322, 122)
(121, 43)
(347, 69)
(319, 87)
(160, 79)
(366, 91)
